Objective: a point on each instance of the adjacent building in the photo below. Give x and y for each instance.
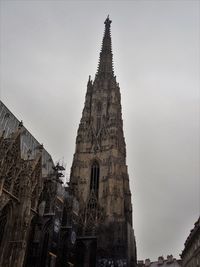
(170, 261)
(191, 253)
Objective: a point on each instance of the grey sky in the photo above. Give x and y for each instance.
(49, 48)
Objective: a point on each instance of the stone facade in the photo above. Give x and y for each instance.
(191, 253)
(99, 177)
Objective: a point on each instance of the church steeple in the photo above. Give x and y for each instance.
(99, 177)
(105, 67)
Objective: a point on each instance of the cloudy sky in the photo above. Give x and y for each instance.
(49, 48)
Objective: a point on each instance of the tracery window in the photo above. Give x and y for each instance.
(94, 179)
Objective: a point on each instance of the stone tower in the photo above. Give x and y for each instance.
(99, 177)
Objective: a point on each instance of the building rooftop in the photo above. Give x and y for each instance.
(192, 235)
(170, 261)
(29, 145)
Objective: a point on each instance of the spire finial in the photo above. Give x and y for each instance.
(105, 67)
(107, 22)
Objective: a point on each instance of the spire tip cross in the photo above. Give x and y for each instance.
(107, 21)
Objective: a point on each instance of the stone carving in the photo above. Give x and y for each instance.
(91, 214)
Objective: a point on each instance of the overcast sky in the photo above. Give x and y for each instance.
(49, 48)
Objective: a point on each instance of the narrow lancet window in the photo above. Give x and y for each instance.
(94, 180)
(98, 124)
(99, 107)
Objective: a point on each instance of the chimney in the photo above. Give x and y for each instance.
(160, 260)
(141, 263)
(147, 262)
(169, 258)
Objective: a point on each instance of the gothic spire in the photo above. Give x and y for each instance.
(105, 67)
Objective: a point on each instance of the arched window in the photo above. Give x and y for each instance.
(94, 179)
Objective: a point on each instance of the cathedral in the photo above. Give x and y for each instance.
(87, 223)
